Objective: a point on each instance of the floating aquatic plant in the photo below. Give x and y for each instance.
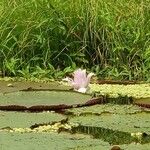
(80, 81)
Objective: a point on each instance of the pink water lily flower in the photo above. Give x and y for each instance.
(80, 80)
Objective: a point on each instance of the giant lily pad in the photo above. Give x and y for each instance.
(115, 128)
(31, 98)
(14, 86)
(63, 141)
(135, 146)
(143, 102)
(107, 108)
(24, 119)
(42, 100)
(44, 141)
(130, 123)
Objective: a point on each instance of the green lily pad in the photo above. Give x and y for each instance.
(31, 98)
(115, 128)
(135, 146)
(24, 119)
(25, 85)
(106, 108)
(144, 102)
(42, 99)
(53, 141)
(130, 123)
(62, 141)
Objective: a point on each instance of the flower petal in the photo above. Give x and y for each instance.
(81, 80)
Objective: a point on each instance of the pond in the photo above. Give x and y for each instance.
(42, 115)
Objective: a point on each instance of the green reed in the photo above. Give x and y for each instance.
(111, 38)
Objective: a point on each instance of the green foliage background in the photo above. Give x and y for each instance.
(51, 38)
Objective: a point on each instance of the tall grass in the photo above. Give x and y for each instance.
(111, 37)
